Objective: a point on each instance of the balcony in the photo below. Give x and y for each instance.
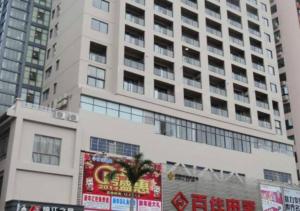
(256, 49)
(260, 85)
(252, 2)
(260, 81)
(164, 91)
(163, 96)
(193, 99)
(238, 59)
(235, 23)
(189, 21)
(134, 40)
(163, 51)
(133, 83)
(218, 90)
(191, 3)
(134, 37)
(214, 31)
(191, 77)
(216, 69)
(252, 12)
(190, 41)
(219, 111)
(217, 86)
(97, 53)
(163, 7)
(191, 61)
(252, 16)
(163, 72)
(215, 50)
(243, 118)
(133, 64)
(241, 98)
(163, 30)
(240, 78)
(243, 114)
(264, 124)
(193, 104)
(234, 20)
(236, 41)
(191, 57)
(216, 65)
(135, 15)
(241, 93)
(134, 59)
(212, 13)
(142, 2)
(189, 18)
(262, 104)
(218, 107)
(233, 4)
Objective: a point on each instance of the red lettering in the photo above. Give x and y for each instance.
(233, 205)
(199, 202)
(217, 204)
(248, 205)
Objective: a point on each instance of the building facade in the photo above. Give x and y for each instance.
(189, 82)
(24, 34)
(286, 33)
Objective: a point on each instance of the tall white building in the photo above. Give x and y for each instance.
(190, 82)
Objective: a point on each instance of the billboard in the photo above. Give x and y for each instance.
(291, 199)
(98, 193)
(271, 198)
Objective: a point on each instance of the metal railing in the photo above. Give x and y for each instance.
(191, 41)
(215, 69)
(255, 32)
(256, 49)
(213, 13)
(130, 87)
(215, 50)
(134, 40)
(219, 111)
(264, 124)
(135, 19)
(133, 64)
(190, 3)
(214, 31)
(217, 90)
(260, 85)
(241, 98)
(163, 10)
(235, 23)
(258, 67)
(189, 21)
(262, 104)
(233, 6)
(164, 96)
(164, 73)
(140, 1)
(163, 30)
(238, 59)
(97, 58)
(240, 78)
(193, 104)
(253, 16)
(236, 41)
(192, 82)
(243, 118)
(163, 51)
(192, 61)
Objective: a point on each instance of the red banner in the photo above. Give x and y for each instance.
(101, 194)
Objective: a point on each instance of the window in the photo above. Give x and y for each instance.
(99, 26)
(273, 87)
(1, 183)
(57, 64)
(54, 88)
(18, 14)
(45, 94)
(278, 127)
(271, 70)
(277, 176)
(33, 76)
(267, 37)
(287, 108)
(35, 55)
(58, 8)
(54, 49)
(101, 4)
(30, 96)
(115, 147)
(46, 3)
(53, 14)
(56, 29)
(96, 77)
(40, 16)
(269, 54)
(266, 22)
(38, 35)
(4, 136)
(264, 7)
(46, 150)
(16, 34)
(48, 72)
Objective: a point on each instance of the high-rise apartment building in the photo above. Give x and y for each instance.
(286, 24)
(185, 82)
(24, 33)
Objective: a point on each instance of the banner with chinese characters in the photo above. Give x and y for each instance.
(98, 193)
(291, 199)
(271, 197)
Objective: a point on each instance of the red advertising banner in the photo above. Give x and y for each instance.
(272, 198)
(101, 194)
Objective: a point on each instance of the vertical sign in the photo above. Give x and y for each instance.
(291, 199)
(271, 197)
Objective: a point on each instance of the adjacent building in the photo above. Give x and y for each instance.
(286, 34)
(193, 83)
(24, 34)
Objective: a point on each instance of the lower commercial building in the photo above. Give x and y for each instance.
(41, 156)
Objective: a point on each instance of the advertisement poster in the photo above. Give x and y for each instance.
(291, 199)
(100, 194)
(271, 197)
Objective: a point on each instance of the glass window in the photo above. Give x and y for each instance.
(40, 16)
(16, 34)
(35, 55)
(1, 182)
(11, 54)
(18, 24)
(278, 127)
(7, 99)
(101, 4)
(8, 76)
(96, 77)
(8, 87)
(46, 150)
(4, 136)
(99, 26)
(20, 4)
(46, 3)
(277, 176)
(271, 70)
(14, 44)
(33, 77)
(38, 35)
(18, 14)
(30, 96)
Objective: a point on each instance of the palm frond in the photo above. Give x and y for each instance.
(111, 175)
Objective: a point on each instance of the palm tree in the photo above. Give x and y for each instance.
(133, 169)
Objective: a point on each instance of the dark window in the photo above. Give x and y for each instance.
(277, 176)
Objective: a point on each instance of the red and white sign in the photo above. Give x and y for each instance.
(271, 197)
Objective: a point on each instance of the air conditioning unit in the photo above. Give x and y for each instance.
(62, 103)
(285, 98)
(73, 117)
(60, 115)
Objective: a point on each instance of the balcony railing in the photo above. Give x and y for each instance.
(163, 10)
(190, 3)
(219, 111)
(241, 98)
(240, 78)
(238, 59)
(134, 40)
(215, 50)
(164, 96)
(216, 69)
(130, 87)
(191, 61)
(236, 41)
(217, 90)
(233, 6)
(213, 13)
(276, 113)
(133, 64)
(193, 104)
(235, 23)
(260, 85)
(262, 104)
(189, 21)
(135, 19)
(163, 51)
(164, 73)
(191, 41)
(243, 118)
(140, 1)
(192, 82)
(252, 1)
(256, 49)
(214, 31)
(264, 124)
(253, 16)
(255, 32)
(163, 30)
(258, 67)
(97, 58)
